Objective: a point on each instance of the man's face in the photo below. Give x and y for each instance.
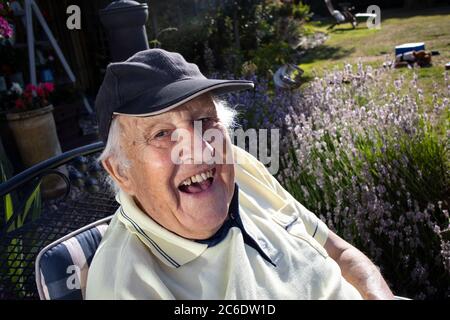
(161, 187)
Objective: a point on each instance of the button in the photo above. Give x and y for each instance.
(263, 243)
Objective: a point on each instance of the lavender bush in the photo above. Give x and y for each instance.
(368, 153)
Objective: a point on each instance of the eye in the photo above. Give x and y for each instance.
(161, 134)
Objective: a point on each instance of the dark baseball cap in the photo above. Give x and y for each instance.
(152, 82)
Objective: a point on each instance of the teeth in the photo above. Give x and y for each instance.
(198, 178)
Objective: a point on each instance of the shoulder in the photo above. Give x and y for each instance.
(118, 259)
(262, 195)
(256, 182)
(250, 170)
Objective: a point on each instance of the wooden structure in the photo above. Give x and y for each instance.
(86, 50)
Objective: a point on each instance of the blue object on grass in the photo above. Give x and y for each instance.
(406, 47)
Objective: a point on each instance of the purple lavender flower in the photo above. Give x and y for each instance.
(349, 141)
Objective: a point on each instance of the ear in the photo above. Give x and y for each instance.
(119, 175)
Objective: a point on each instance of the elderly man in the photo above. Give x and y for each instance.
(219, 228)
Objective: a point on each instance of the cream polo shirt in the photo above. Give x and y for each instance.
(272, 249)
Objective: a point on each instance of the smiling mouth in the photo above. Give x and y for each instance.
(198, 182)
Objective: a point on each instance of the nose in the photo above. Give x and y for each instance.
(193, 148)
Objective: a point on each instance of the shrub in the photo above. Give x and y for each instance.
(225, 36)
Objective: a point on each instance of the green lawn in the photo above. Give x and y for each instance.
(372, 46)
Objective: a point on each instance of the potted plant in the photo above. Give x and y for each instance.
(30, 118)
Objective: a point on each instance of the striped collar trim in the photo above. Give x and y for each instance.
(169, 247)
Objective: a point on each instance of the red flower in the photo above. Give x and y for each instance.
(49, 86)
(34, 96)
(19, 104)
(27, 93)
(30, 88)
(40, 91)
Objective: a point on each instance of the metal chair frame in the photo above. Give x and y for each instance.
(59, 218)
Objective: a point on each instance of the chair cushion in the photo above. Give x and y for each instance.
(62, 267)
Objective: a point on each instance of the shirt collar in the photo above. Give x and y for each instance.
(171, 248)
(234, 220)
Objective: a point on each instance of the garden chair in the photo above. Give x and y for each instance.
(341, 17)
(46, 245)
(345, 15)
(62, 266)
(288, 76)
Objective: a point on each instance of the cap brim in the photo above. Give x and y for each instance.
(177, 93)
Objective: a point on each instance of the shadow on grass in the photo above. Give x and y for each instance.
(325, 52)
(343, 28)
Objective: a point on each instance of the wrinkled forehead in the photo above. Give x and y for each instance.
(203, 105)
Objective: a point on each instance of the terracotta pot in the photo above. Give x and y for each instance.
(37, 140)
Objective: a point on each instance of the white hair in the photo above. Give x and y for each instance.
(226, 115)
